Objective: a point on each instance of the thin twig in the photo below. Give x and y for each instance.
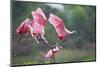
(53, 57)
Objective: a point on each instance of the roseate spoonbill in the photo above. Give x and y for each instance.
(23, 28)
(39, 23)
(59, 26)
(50, 54)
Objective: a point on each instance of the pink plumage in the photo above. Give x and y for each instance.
(39, 11)
(23, 28)
(39, 22)
(59, 26)
(51, 52)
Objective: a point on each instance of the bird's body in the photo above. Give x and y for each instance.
(52, 52)
(59, 26)
(39, 22)
(23, 28)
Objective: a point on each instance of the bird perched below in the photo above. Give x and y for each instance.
(50, 54)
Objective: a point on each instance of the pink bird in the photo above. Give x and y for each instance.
(36, 26)
(39, 23)
(23, 28)
(52, 52)
(59, 26)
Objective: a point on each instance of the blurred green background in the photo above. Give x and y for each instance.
(80, 47)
